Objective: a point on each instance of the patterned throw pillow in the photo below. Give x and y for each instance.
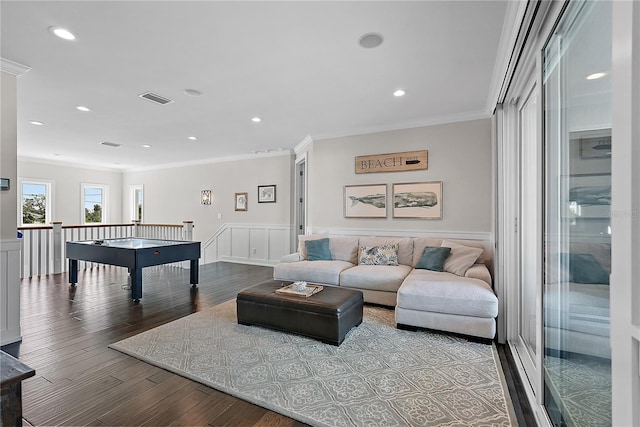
(379, 255)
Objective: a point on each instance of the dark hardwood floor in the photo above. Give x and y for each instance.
(79, 381)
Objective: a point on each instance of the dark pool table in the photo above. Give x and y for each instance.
(135, 254)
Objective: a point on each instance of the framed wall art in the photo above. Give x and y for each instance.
(241, 201)
(365, 201)
(587, 196)
(266, 193)
(421, 200)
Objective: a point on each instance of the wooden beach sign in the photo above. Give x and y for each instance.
(392, 162)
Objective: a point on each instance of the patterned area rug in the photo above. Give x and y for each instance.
(379, 376)
(581, 386)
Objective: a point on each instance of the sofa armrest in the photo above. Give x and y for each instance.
(479, 271)
(294, 257)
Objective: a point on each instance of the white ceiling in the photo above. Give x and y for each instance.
(297, 65)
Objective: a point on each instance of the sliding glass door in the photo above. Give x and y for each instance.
(577, 228)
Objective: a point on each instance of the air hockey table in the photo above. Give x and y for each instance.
(135, 254)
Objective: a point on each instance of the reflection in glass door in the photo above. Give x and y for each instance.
(577, 232)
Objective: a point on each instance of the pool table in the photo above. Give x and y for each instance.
(135, 254)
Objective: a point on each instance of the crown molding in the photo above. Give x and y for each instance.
(262, 155)
(303, 145)
(13, 68)
(432, 121)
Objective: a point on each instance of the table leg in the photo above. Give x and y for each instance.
(194, 272)
(73, 271)
(136, 283)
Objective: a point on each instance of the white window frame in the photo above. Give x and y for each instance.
(105, 202)
(132, 199)
(48, 200)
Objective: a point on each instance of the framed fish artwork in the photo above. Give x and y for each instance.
(365, 201)
(421, 200)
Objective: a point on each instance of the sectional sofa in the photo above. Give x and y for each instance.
(391, 271)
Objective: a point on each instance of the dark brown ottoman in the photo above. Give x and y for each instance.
(326, 316)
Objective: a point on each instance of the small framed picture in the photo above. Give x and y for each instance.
(241, 201)
(266, 193)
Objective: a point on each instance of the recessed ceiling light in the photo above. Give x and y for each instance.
(370, 40)
(83, 108)
(399, 92)
(595, 76)
(192, 92)
(193, 138)
(146, 145)
(256, 119)
(35, 122)
(63, 33)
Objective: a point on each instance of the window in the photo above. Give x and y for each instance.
(94, 203)
(136, 197)
(35, 202)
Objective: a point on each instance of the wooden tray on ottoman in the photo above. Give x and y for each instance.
(326, 316)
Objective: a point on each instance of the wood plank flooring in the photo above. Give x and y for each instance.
(79, 381)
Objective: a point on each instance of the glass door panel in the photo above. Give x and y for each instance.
(577, 231)
(529, 235)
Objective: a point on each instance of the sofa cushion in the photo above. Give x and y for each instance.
(318, 250)
(442, 292)
(405, 246)
(375, 277)
(578, 307)
(433, 258)
(379, 255)
(344, 248)
(325, 272)
(462, 257)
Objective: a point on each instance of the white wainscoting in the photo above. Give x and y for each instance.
(9, 291)
(458, 235)
(259, 244)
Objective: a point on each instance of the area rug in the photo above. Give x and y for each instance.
(379, 375)
(581, 387)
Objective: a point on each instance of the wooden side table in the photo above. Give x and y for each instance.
(12, 372)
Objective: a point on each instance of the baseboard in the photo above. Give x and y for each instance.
(249, 261)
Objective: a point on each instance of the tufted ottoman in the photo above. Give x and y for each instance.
(326, 316)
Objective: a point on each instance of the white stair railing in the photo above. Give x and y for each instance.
(43, 247)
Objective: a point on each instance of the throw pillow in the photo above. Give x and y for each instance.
(583, 268)
(433, 258)
(379, 255)
(318, 250)
(462, 257)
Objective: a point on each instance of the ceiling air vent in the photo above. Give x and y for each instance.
(110, 144)
(153, 97)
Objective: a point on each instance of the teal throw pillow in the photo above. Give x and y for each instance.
(318, 250)
(583, 268)
(433, 258)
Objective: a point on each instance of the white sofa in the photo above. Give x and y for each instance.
(462, 303)
(577, 308)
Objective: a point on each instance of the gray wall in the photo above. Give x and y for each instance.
(172, 195)
(460, 155)
(67, 188)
